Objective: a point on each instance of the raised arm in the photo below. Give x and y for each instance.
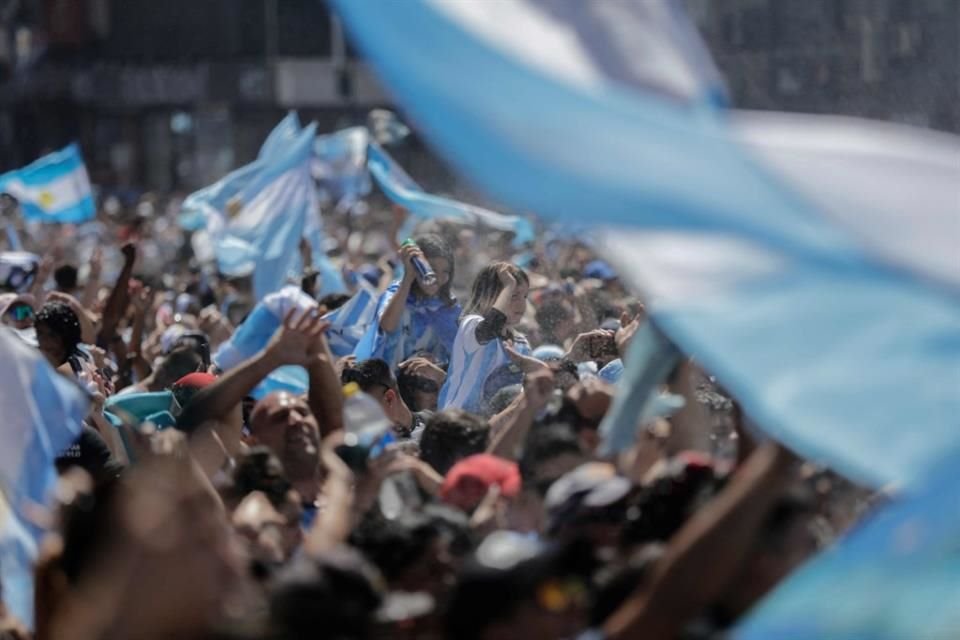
(119, 297)
(511, 426)
(324, 396)
(705, 554)
(292, 344)
(390, 320)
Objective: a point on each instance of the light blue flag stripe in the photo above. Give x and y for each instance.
(810, 325)
(349, 323)
(403, 190)
(43, 414)
(54, 189)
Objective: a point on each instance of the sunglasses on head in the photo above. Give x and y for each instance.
(21, 312)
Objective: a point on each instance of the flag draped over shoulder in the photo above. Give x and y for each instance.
(832, 314)
(42, 416)
(55, 188)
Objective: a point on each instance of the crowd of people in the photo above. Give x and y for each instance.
(447, 484)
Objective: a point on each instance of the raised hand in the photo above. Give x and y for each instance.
(537, 388)
(506, 277)
(419, 366)
(297, 340)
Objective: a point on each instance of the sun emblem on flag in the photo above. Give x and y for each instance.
(234, 206)
(46, 199)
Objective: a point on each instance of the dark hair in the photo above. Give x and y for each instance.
(337, 594)
(502, 398)
(663, 506)
(409, 383)
(396, 545)
(550, 314)
(62, 321)
(178, 363)
(450, 436)
(333, 300)
(66, 278)
(259, 469)
(487, 286)
(486, 595)
(434, 246)
(369, 374)
(543, 443)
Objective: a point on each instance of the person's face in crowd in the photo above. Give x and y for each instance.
(389, 401)
(19, 316)
(283, 422)
(51, 345)
(518, 304)
(441, 266)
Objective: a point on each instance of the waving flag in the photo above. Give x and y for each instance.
(402, 189)
(55, 188)
(814, 306)
(269, 215)
(349, 323)
(43, 414)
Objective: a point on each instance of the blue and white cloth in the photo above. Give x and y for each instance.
(426, 325)
(55, 188)
(471, 364)
(349, 323)
(808, 262)
(43, 412)
(254, 334)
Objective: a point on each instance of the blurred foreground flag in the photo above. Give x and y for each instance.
(42, 417)
(893, 577)
(55, 188)
(807, 261)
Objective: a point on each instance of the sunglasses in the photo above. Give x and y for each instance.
(21, 312)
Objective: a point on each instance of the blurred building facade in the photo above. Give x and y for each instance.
(895, 60)
(172, 94)
(175, 93)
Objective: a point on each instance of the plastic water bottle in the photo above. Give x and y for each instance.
(425, 273)
(368, 430)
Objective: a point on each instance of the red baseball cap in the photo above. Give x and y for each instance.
(468, 482)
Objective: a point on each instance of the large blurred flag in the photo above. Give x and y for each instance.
(42, 416)
(403, 190)
(809, 262)
(893, 577)
(55, 188)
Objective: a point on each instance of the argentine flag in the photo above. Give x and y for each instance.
(809, 262)
(55, 188)
(43, 411)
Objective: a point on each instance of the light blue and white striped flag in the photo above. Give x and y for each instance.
(809, 262)
(54, 189)
(349, 323)
(403, 190)
(43, 411)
